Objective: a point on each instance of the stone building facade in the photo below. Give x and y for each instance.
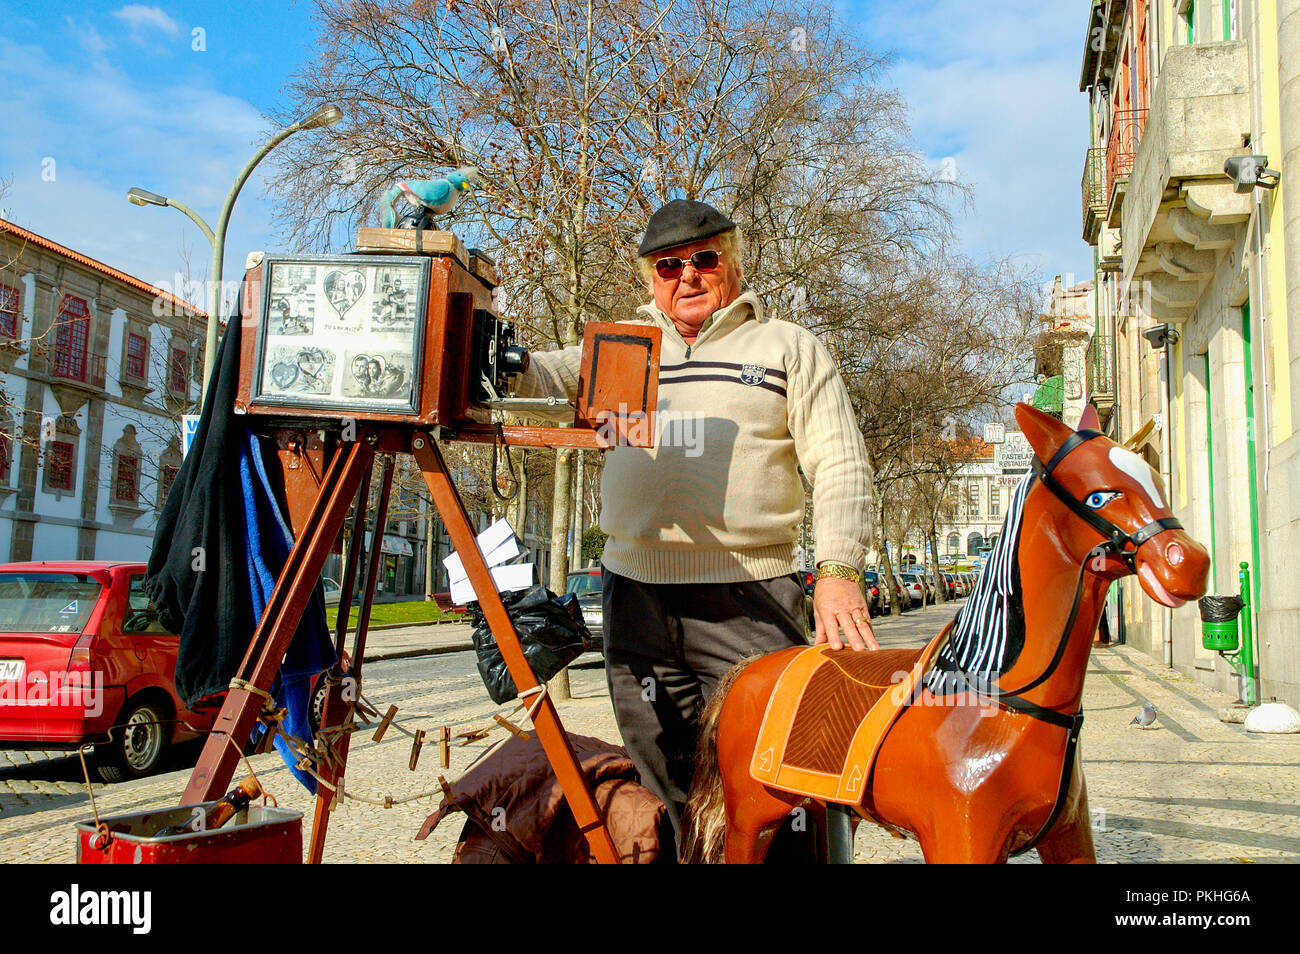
(96, 369)
(1198, 287)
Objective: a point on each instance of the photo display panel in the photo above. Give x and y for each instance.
(342, 332)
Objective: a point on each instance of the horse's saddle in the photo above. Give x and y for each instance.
(829, 714)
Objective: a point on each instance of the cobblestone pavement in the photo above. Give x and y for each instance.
(1190, 789)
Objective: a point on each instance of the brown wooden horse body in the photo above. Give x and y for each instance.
(971, 778)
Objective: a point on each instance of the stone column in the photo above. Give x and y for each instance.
(1288, 66)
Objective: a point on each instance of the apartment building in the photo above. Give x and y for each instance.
(977, 497)
(1072, 355)
(1197, 291)
(96, 369)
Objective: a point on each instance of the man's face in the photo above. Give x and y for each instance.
(694, 295)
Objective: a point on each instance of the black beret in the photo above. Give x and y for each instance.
(681, 222)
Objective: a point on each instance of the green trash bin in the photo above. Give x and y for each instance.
(1220, 631)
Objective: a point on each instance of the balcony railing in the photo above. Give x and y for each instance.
(84, 367)
(1093, 188)
(1100, 372)
(1125, 134)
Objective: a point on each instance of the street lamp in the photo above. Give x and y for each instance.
(327, 115)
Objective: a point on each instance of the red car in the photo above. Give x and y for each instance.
(83, 658)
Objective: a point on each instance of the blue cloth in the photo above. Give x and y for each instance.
(268, 540)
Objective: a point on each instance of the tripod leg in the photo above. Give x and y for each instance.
(546, 720)
(335, 708)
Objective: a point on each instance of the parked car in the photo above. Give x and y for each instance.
(333, 591)
(900, 595)
(916, 588)
(84, 659)
(586, 584)
(871, 590)
(875, 587)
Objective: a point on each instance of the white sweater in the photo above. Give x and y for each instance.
(719, 499)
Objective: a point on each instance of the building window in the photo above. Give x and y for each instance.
(973, 544)
(168, 478)
(995, 500)
(127, 485)
(954, 543)
(178, 371)
(137, 352)
(71, 339)
(973, 499)
(59, 456)
(11, 313)
(6, 452)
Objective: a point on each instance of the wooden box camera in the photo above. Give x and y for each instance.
(408, 338)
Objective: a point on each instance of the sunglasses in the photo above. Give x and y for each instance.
(670, 268)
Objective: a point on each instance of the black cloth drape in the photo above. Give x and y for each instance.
(198, 570)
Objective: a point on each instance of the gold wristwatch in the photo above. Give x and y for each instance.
(838, 570)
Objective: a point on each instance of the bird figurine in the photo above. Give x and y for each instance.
(1145, 717)
(426, 198)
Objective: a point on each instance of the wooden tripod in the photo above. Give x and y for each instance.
(347, 478)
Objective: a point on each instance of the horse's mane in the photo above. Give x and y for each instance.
(989, 631)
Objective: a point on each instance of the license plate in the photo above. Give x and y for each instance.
(12, 670)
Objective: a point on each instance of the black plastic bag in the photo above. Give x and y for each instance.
(551, 629)
(1219, 609)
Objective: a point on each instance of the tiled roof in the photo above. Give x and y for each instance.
(139, 284)
(972, 448)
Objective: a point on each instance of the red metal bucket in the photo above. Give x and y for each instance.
(259, 835)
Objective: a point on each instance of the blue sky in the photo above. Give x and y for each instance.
(102, 97)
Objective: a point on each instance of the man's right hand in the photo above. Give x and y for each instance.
(838, 606)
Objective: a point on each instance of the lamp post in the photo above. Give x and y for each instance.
(327, 115)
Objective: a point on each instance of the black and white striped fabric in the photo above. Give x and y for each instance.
(751, 375)
(989, 631)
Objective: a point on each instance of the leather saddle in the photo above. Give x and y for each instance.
(829, 714)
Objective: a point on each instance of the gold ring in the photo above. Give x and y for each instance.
(862, 619)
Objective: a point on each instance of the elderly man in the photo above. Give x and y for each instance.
(697, 567)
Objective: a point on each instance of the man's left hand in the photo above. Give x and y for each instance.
(839, 606)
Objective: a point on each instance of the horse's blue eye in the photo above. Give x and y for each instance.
(1099, 499)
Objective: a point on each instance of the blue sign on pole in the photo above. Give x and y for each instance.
(189, 427)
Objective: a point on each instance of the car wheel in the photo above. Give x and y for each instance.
(138, 743)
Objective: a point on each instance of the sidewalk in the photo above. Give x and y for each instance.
(417, 639)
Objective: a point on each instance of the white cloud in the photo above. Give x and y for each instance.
(89, 39)
(993, 93)
(141, 19)
(107, 133)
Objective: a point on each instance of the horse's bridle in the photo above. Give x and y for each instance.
(1119, 543)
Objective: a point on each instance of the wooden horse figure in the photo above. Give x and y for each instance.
(970, 744)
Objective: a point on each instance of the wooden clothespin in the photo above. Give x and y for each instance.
(415, 748)
(444, 746)
(514, 729)
(384, 724)
(365, 711)
(473, 735)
